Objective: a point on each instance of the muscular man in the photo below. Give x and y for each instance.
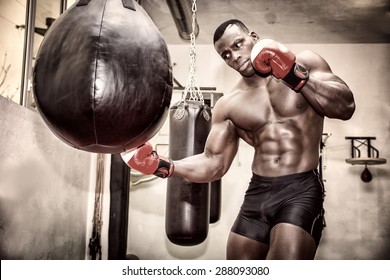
(278, 107)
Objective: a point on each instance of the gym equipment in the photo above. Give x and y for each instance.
(215, 201)
(271, 57)
(145, 160)
(102, 80)
(372, 155)
(188, 203)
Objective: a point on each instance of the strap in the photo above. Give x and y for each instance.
(94, 242)
(83, 2)
(129, 4)
(297, 77)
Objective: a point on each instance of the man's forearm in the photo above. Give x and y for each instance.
(198, 169)
(332, 98)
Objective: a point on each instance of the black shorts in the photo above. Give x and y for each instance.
(295, 199)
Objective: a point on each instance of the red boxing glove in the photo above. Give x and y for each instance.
(269, 56)
(147, 161)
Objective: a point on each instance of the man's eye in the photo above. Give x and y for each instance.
(239, 44)
(226, 56)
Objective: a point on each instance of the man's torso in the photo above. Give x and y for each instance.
(279, 123)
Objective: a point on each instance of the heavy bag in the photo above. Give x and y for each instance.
(187, 204)
(215, 201)
(102, 80)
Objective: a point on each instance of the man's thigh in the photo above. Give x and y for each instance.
(288, 241)
(240, 247)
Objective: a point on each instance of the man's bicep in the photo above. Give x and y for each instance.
(222, 143)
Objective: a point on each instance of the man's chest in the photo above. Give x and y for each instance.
(255, 108)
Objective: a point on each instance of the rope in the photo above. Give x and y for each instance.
(192, 89)
(95, 248)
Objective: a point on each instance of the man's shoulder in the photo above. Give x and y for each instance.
(223, 101)
(306, 55)
(230, 100)
(224, 105)
(312, 60)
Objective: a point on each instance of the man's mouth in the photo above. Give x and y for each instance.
(243, 66)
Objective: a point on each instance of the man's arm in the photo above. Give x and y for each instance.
(326, 93)
(307, 73)
(220, 150)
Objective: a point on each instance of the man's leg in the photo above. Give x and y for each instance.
(288, 241)
(240, 247)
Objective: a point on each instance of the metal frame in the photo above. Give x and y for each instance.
(28, 47)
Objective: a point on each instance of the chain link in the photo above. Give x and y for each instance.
(192, 88)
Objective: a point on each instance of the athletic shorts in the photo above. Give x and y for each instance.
(295, 199)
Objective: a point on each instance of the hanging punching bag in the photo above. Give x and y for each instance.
(187, 204)
(103, 77)
(215, 201)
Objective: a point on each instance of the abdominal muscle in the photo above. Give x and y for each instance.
(282, 148)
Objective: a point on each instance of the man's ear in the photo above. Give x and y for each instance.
(254, 35)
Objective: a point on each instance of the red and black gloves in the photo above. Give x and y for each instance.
(271, 57)
(147, 161)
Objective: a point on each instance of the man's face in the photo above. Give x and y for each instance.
(235, 47)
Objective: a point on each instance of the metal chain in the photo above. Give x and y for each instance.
(192, 88)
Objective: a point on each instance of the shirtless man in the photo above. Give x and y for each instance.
(278, 107)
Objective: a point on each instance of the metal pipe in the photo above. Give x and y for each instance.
(27, 52)
(181, 11)
(63, 6)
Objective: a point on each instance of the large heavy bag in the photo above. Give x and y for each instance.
(188, 203)
(103, 77)
(215, 201)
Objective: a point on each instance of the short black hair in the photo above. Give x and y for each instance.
(221, 29)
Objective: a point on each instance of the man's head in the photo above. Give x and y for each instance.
(221, 29)
(233, 41)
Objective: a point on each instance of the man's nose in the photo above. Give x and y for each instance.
(236, 56)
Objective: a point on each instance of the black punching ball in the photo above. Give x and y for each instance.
(103, 76)
(187, 204)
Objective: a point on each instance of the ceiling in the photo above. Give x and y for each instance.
(288, 21)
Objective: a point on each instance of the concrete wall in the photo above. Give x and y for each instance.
(44, 190)
(357, 213)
